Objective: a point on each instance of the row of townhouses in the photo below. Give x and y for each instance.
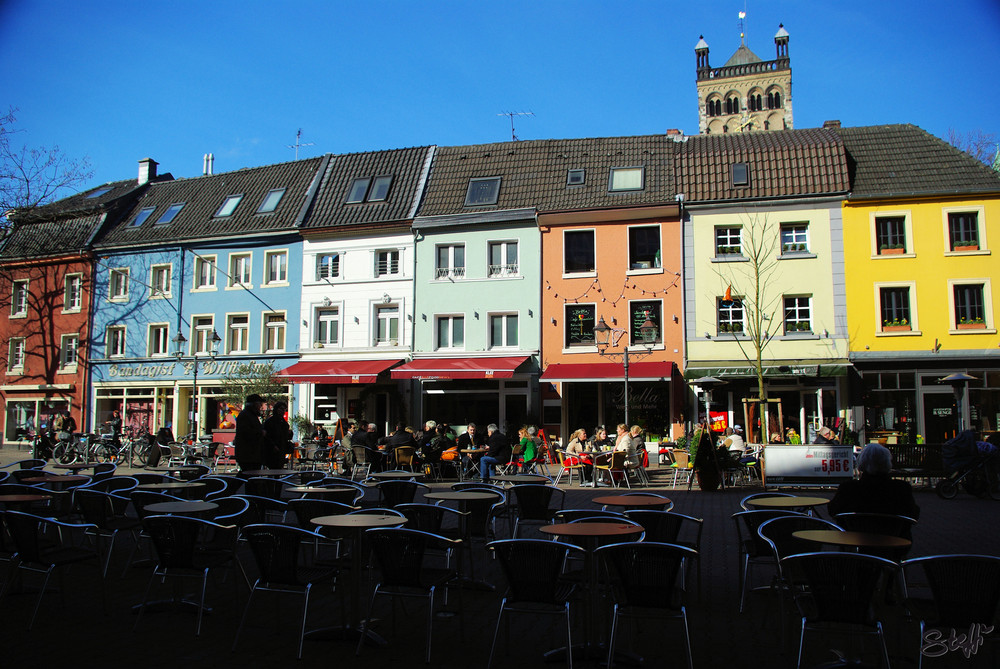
(466, 284)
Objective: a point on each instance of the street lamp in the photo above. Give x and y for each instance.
(180, 340)
(958, 381)
(707, 384)
(606, 336)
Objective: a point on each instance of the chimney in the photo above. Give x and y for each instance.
(674, 132)
(147, 170)
(211, 163)
(832, 125)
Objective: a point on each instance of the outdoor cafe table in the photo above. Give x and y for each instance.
(274, 473)
(193, 509)
(463, 497)
(57, 480)
(76, 466)
(521, 478)
(593, 456)
(591, 534)
(356, 525)
(396, 474)
(182, 488)
(631, 501)
(19, 501)
(852, 539)
(787, 502)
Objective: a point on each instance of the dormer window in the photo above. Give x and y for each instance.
(740, 174)
(170, 213)
(271, 201)
(367, 189)
(141, 217)
(626, 178)
(575, 178)
(482, 191)
(229, 206)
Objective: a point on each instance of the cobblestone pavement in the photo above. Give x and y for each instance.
(72, 629)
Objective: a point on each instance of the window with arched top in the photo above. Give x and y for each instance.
(713, 107)
(754, 102)
(774, 100)
(733, 105)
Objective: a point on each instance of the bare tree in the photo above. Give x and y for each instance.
(983, 146)
(254, 378)
(33, 176)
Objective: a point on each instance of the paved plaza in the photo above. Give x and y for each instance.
(72, 630)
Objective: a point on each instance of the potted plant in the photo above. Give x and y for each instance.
(966, 245)
(972, 324)
(896, 325)
(891, 249)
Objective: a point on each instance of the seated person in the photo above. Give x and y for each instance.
(826, 436)
(438, 444)
(875, 491)
(600, 441)
(574, 453)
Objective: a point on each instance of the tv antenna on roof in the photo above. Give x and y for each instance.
(297, 144)
(511, 115)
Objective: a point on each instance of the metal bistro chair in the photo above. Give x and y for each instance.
(532, 503)
(612, 464)
(566, 468)
(683, 471)
(645, 577)
(754, 550)
(668, 527)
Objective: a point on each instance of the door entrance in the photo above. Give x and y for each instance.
(940, 423)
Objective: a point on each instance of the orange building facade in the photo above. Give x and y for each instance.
(623, 266)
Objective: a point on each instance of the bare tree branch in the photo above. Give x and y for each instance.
(982, 146)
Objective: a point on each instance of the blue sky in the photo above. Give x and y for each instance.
(120, 81)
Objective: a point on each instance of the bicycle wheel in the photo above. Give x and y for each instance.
(101, 453)
(64, 453)
(946, 489)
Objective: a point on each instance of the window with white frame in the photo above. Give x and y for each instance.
(239, 270)
(729, 241)
(641, 311)
(204, 273)
(19, 298)
(580, 321)
(387, 262)
(730, 316)
(963, 231)
(579, 255)
(503, 259)
(644, 247)
(118, 284)
(238, 333)
(449, 261)
(794, 238)
(159, 281)
(798, 314)
(626, 178)
(275, 267)
(327, 326)
(450, 332)
(327, 266)
(386, 324)
(115, 339)
(202, 328)
(890, 234)
(158, 340)
(73, 293)
(894, 308)
(274, 332)
(503, 331)
(16, 354)
(68, 347)
(970, 305)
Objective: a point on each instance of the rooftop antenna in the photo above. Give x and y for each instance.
(511, 115)
(297, 144)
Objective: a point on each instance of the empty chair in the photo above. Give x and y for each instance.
(401, 556)
(672, 528)
(835, 590)
(277, 552)
(532, 569)
(30, 463)
(565, 467)
(153, 477)
(964, 591)
(307, 508)
(570, 515)
(754, 550)
(646, 578)
(336, 493)
(534, 503)
(394, 492)
(233, 485)
(232, 511)
(106, 513)
(264, 486)
(44, 545)
(405, 457)
(118, 484)
(266, 509)
(103, 471)
(683, 471)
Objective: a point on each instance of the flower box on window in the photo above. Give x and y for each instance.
(972, 325)
(893, 251)
(896, 328)
(965, 246)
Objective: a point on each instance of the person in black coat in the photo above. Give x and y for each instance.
(875, 491)
(497, 451)
(279, 437)
(250, 439)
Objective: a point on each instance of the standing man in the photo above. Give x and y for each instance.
(250, 439)
(347, 449)
(497, 451)
(116, 427)
(279, 437)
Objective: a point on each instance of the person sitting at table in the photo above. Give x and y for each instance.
(575, 453)
(497, 451)
(825, 436)
(321, 436)
(525, 446)
(600, 440)
(875, 491)
(623, 442)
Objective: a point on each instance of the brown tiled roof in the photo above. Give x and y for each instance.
(81, 204)
(202, 196)
(533, 174)
(47, 238)
(782, 163)
(902, 159)
(406, 166)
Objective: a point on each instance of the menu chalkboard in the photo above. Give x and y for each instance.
(580, 325)
(639, 312)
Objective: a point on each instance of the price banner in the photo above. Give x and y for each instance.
(820, 464)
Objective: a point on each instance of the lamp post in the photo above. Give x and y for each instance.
(958, 381)
(606, 336)
(180, 340)
(707, 384)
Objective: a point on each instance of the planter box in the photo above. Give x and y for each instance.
(971, 326)
(896, 328)
(891, 252)
(971, 247)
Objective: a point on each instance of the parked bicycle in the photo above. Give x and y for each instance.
(71, 448)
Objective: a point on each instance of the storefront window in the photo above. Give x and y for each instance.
(890, 402)
(984, 402)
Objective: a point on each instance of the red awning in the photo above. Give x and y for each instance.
(459, 368)
(608, 371)
(336, 371)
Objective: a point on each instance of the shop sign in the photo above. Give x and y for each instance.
(171, 369)
(819, 464)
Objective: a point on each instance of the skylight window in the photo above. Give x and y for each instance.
(229, 206)
(574, 177)
(740, 173)
(271, 201)
(170, 213)
(482, 191)
(626, 178)
(367, 189)
(99, 192)
(141, 217)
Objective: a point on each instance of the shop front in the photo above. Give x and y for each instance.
(30, 409)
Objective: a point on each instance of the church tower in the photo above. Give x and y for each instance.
(747, 93)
